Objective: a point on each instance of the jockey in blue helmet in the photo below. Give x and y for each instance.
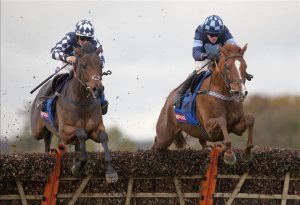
(209, 37)
(63, 50)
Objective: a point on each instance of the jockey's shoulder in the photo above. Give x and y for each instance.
(71, 35)
(225, 29)
(199, 28)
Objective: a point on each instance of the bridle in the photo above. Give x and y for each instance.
(81, 78)
(224, 74)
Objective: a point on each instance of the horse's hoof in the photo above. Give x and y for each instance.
(229, 158)
(75, 171)
(111, 177)
(208, 148)
(247, 157)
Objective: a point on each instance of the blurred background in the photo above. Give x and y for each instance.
(148, 48)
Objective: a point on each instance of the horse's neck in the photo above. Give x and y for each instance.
(218, 83)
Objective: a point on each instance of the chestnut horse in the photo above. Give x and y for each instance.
(219, 107)
(78, 114)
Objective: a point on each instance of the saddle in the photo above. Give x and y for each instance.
(50, 96)
(59, 80)
(195, 82)
(187, 112)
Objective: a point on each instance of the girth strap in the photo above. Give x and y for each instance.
(217, 95)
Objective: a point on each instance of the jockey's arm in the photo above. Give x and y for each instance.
(198, 50)
(58, 51)
(198, 47)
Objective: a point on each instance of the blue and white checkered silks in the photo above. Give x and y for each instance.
(213, 25)
(84, 28)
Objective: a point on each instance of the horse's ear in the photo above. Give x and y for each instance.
(244, 49)
(78, 51)
(99, 50)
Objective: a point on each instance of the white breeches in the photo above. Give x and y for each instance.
(200, 64)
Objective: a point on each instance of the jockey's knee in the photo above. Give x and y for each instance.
(201, 65)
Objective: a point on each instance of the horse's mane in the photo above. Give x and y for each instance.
(232, 48)
(88, 48)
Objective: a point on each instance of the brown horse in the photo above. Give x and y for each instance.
(78, 114)
(219, 107)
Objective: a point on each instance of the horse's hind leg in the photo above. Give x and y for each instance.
(39, 131)
(111, 174)
(246, 122)
(80, 163)
(162, 143)
(47, 140)
(204, 145)
(165, 134)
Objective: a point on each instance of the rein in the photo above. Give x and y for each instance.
(79, 80)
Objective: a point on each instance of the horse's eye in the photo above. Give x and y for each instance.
(83, 66)
(227, 67)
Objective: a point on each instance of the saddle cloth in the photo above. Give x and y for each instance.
(58, 83)
(187, 112)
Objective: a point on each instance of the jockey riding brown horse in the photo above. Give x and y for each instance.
(219, 107)
(78, 114)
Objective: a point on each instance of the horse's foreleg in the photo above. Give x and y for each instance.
(80, 163)
(250, 120)
(213, 127)
(246, 122)
(77, 150)
(111, 174)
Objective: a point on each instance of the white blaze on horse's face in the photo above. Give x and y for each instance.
(239, 88)
(238, 66)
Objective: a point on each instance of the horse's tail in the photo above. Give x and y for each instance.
(179, 140)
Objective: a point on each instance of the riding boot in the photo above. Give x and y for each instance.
(249, 76)
(181, 91)
(41, 102)
(104, 103)
(104, 107)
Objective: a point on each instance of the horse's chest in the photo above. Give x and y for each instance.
(91, 124)
(84, 118)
